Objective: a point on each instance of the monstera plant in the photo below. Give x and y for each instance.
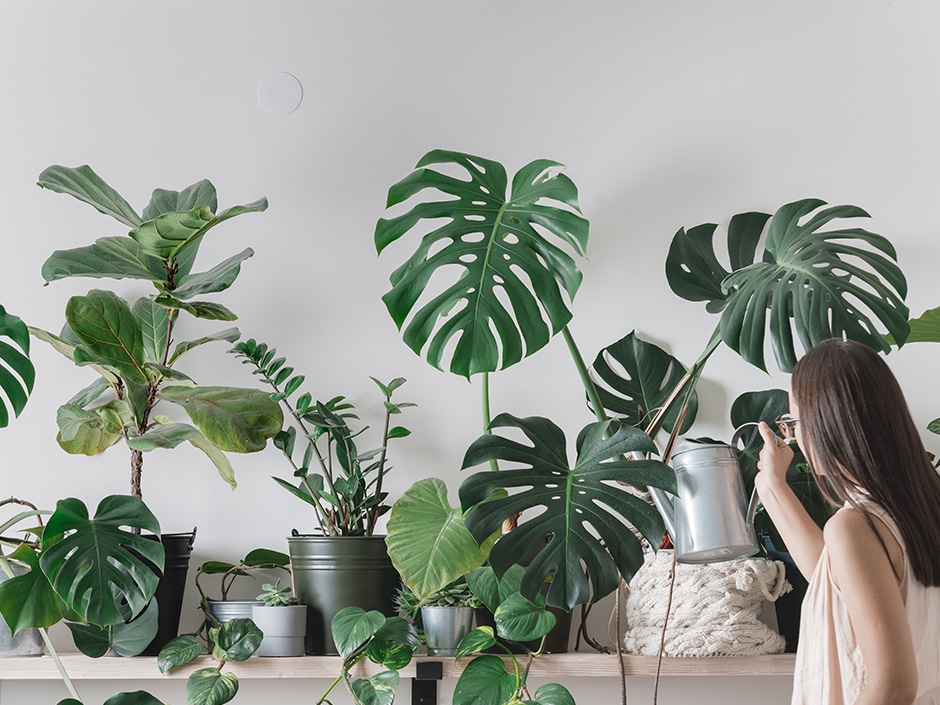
(132, 345)
(14, 358)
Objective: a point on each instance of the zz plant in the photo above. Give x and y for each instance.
(132, 346)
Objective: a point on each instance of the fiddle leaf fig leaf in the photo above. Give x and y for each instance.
(507, 251)
(91, 431)
(107, 258)
(15, 387)
(85, 185)
(200, 309)
(219, 278)
(229, 335)
(809, 281)
(587, 512)
(634, 379)
(154, 324)
(170, 435)
(108, 329)
(428, 543)
(97, 567)
(234, 419)
(164, 201)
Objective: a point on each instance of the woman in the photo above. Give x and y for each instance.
(870, 630)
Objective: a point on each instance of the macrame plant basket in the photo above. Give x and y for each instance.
(715, 607)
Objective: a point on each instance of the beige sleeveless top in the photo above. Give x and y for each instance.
(829, 668)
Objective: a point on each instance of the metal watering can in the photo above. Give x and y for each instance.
(711, 519)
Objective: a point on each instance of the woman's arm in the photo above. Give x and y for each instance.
(803, 538)
(863, 571)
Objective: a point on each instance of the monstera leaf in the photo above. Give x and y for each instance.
(98, 568)
(634, 379)
(817, 283)
(506, 257)
(16, 388)
(586, 511)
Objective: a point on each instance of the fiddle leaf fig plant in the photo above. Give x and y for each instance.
(14, 358)
(508, 252)
(132, 345)
(587, 508)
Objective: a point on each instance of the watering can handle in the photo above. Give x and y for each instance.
(755, 499)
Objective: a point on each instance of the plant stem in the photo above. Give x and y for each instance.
(586, 380)
(487, 420)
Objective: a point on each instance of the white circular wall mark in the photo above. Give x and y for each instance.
(280, 93)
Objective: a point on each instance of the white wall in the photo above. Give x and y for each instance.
(666, 114)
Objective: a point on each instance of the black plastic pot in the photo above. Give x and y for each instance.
(170, 589)
(333, 572)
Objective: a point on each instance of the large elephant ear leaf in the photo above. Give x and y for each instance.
(587, 511)
(14, 359)
(634, 379)
(813, 282)
(503, 264)
(98, 568)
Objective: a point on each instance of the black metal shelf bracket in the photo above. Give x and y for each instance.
(424, 684)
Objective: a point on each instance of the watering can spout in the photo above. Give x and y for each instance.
(666, 508)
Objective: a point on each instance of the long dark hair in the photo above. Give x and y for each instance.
(862, 440)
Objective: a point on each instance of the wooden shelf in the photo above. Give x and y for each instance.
(548, 666)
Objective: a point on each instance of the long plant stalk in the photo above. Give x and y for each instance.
(586, 380)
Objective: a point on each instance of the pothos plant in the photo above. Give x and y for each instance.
(344, 485)
(132, 345)
(507, 254)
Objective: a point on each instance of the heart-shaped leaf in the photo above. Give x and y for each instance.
(518, 619)
(428, 543)
(353, 627)
(509, 284)
(95, 565)
(137, 697)
(377, 690)
(238, 639)
(480, 639)
(178, 652)
(209, 686)
(484, 681)
(553, 694)
(587, 510)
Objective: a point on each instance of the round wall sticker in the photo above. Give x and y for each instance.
(280, 93)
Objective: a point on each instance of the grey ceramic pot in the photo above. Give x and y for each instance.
(284, 629)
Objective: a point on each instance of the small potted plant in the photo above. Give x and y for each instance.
(223, 609)
(343, 562)
(283, 621)
(444, 617)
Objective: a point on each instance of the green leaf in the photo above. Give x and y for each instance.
(219, 278)
(587, 513)
(553, 694)
(234, 419)
(390, 654)
(172, 434)
(131, 638)
(229, 335)
(266, 558)
(105, 325)
(353, 627)
(238, 639)
(934, 426)
(94, 564)
(28, 600)
(378, 690)
(89, 432)
(163, 201)
(107, 258)
(634, 379)
(812, 282)
(479, 639)
(178, 652)
(137, 697)
(200, 309)
(518, 619)
(16, 387)
(168, 233)
(85, 185)
(208, 686)
(484, 681)
(926, 327)
(428, 543)
(511, 284)
(154, 324)
(91, 640)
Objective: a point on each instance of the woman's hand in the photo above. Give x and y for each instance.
(775, 457)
